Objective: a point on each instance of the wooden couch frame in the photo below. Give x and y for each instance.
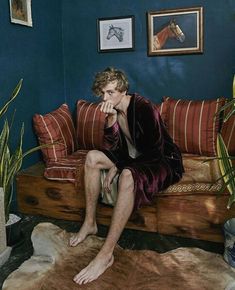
(198, 216)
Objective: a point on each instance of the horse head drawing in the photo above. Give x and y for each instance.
(170, 30)
(176, 30)
(115, 31)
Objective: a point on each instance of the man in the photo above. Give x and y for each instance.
(139, 150)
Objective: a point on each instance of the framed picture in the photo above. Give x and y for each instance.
(20, 12)
(115, 34)
(178, 31)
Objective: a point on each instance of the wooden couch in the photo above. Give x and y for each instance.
(191, 208)
(179, 211)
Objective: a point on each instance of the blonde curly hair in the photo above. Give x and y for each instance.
(110, 74)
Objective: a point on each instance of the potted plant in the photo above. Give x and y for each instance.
(227, 168)
(10, 160)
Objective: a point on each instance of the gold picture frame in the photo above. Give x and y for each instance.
(175, 31)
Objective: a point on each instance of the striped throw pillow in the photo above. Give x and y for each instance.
(56, 127)
(163, 110)
(90, 125)
(228, 134)
(193, 125)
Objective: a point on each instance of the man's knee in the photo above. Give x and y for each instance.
(126, 180)
(93, 158)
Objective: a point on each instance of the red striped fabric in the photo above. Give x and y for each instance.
(228, 134)
(193, 124)
(56, 126)
(67, 169)
(163, 109)
(90, 125)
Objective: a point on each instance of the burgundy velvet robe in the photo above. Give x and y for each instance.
(159, 164)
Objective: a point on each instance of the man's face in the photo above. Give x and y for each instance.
(111, 95)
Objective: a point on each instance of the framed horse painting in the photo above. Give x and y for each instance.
(115, 34)
(20, 12)
(177, 31)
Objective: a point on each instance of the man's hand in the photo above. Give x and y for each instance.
(109, 178)
(111, 113)
(107, 108)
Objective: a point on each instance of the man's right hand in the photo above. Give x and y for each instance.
(109, 178)
(111, 113)
(107, 108)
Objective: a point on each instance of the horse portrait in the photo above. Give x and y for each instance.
(20, 12)
(170, 30)
(118, 32)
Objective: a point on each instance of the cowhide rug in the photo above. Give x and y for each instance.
(54, 264)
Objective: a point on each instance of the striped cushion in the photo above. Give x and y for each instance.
(163, 110)
(67, 169)
(90, 125)
(228, 134)
(193, 125)
(56, 126)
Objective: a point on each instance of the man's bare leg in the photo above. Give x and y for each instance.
(121, 214)
(95, 161)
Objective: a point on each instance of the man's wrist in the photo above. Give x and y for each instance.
(111, 119)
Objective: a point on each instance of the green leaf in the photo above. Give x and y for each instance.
(226, 168)
(12, 97)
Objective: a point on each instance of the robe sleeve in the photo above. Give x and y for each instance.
(115, 150)
(150, 127)
(111, 137)
(156, 144)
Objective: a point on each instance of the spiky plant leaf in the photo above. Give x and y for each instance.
(11, 160)
(226, 168)
(12, 97)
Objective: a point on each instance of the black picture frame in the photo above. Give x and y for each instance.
(116, 34)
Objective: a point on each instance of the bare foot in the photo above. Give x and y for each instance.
(84, 231)
(95, 268)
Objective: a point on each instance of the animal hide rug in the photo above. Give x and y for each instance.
(54, 264)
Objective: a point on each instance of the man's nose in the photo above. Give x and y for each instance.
(105, 97)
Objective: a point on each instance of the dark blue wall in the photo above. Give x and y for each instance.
(206, 75)
(36, 55)
(58, 57)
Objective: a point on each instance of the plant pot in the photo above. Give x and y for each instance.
(13, 230)
(229, 243)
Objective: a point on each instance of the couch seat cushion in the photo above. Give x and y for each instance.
(67, 169)
(199, 176)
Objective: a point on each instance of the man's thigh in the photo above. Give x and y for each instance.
(99, 159)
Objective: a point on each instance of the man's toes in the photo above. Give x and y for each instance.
(71, 243)
(74, 241)
(87, 280)
(80, 276)
(81, 280)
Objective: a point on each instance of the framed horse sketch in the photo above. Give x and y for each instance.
(115, 34)
(20, 12)
(177, 31)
